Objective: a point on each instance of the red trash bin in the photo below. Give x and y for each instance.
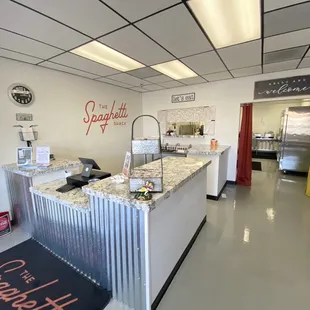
(5, 224)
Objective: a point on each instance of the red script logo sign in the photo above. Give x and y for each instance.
(103, 119)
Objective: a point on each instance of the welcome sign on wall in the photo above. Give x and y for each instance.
(103, 120)
(292, 86)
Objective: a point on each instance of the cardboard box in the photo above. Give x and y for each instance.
(5, 224)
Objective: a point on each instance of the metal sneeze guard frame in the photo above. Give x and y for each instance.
(108, 243)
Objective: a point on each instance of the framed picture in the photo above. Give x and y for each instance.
(23, 156)
(126, 165)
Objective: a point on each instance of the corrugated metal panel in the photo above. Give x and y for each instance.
(107, 244)
(20, 199)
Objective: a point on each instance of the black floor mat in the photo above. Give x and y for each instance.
(31, 277)
(256, 165)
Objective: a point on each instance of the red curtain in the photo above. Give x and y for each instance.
(244, 166)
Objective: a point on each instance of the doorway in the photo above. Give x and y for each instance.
(268, 128)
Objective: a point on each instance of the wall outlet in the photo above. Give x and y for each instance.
(21, 117)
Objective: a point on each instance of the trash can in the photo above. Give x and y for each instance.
(5, 224)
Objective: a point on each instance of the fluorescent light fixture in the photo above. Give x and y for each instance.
(107, 56)
(175, 69)
(228, 22)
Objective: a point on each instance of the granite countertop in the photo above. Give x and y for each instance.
(177, 172)
(75, 198)
(206, 150)
(56, 165)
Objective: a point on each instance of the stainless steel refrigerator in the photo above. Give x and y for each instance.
(295, 144)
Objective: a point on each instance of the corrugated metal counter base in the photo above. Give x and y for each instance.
(106, 244)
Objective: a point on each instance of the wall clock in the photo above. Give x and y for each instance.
(21, 95)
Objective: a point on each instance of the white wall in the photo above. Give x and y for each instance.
(59, 111)
(267, 116)
(225, 95)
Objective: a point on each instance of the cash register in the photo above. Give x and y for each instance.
(91, 171)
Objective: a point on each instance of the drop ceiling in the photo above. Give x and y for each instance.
(44, 33)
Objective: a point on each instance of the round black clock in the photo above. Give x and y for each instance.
(21, 95)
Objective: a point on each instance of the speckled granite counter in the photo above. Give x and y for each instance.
(206, 150)
(177, 171)
(56, 165)
(74, 199)
(117, 239)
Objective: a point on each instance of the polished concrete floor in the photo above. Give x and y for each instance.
(254, 252)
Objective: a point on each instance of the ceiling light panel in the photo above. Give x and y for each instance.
(81, 63)
(107, 56)
(228, 22)
(175, 69)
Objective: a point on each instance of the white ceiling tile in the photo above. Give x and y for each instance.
(171, 84)
(143, 73)
(27, 46)
(51, 65)
(84, 64)
(193, 80)
(177, 31)
(128, 79)
(247, 71)
(133, 43)
(276, 4)
(136, 9)
(103, 19)
(159, 79)
(204, 63)
(242, 55)
(287, 40)
(305, 63)
(36, 26)
(153, 87)
(218, 76)
(308, 54)
(17, 56)
(139, 89)
(289, 19)
(281, 66)
(116, 83)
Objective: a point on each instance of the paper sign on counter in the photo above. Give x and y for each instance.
(43, 155)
